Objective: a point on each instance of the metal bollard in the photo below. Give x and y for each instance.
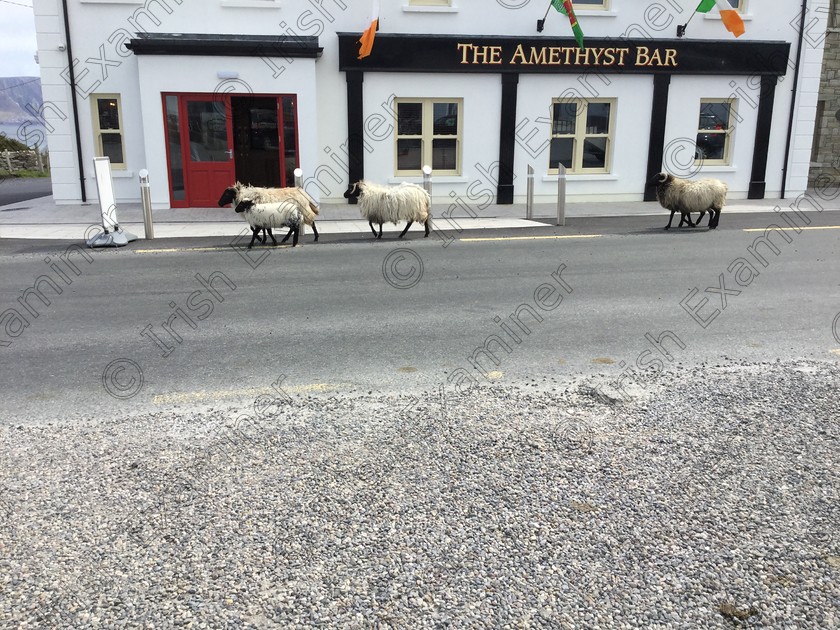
(299, 184)
(146, 197)
(427, 185)
(529, 199)
(561, 194)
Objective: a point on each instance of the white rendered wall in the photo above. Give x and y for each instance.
(101, 27)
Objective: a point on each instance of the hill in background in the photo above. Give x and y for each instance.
(15, 94)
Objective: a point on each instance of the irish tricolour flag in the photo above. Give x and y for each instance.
(731, 20)
(368, 36)
(565, 7)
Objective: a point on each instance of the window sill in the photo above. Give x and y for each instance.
(583, 177)
(429, 9)
(251, 4)
(111, 1)
(596, 13)
(716, 168)
(716, 16)
(440, 179)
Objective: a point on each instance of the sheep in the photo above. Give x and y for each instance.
(687, 196)
(382, 204)
(234, 194)
(265, 216)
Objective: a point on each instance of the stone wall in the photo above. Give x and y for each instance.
(14, 161)
(825, 158)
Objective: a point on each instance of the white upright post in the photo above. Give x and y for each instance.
(112, 235)
(561, 195)
(529, 199)
(146, 197)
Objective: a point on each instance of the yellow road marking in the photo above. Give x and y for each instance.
(526, 238)
(180, 249)
(837, 352)
(251, 392)
(786, 229)
(495, 375)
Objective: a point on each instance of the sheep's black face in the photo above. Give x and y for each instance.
(352, 191)
(244, 205)
(660, 178)
(227, 197)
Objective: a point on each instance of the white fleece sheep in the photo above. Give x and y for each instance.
(383, 204)
(691, 195)
(267, 216)
(239, 191)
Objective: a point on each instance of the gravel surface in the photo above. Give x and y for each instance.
(708, 499)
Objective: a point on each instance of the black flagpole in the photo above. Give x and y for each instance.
(541, 23)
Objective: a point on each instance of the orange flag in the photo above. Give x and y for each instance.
(367, 37)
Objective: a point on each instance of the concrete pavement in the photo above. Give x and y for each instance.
(42, 218)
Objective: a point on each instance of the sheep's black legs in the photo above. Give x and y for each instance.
(256, 232)
(406, 229)
(703, 214)
(380, 231)
(271, 234)
(714, 217)
(668, 227)
(295, 237)
(263, 237)
(426, 225)
(372, 229)
(286, 238)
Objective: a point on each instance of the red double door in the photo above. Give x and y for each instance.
(214, 140)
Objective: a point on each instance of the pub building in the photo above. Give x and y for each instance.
(250, 90)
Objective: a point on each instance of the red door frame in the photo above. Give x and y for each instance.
(185, 139)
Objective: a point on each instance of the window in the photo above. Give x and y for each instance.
(714, 135)
(739, 5)
(429, 132)
(581, 135)
(592, 4)
(107, 128)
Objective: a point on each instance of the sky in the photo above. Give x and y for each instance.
(17, 39)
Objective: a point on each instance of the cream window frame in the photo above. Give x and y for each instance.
(98, 132)
(580, 135)
(427, 136)
(728, 133)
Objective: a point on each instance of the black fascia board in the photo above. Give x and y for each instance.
(225, 45)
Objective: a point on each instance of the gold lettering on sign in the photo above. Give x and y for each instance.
(475, 54)
(520, 53)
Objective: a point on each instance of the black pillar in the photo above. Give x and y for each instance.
(658, 116)
(762, 137)
(507, 139)
(355, 127)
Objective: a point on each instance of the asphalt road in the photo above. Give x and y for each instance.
(591, 300)
(15, 189)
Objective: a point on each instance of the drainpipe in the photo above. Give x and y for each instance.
(72, 76)
(793, 97)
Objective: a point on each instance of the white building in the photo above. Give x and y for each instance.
(204, 92)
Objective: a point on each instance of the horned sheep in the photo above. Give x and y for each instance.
(383, 204)
(236, 193)
(690, 195)
(266, 216)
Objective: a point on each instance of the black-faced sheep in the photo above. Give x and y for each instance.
(383, 204)
(266, 216)
(234, 194)
(690, 195)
